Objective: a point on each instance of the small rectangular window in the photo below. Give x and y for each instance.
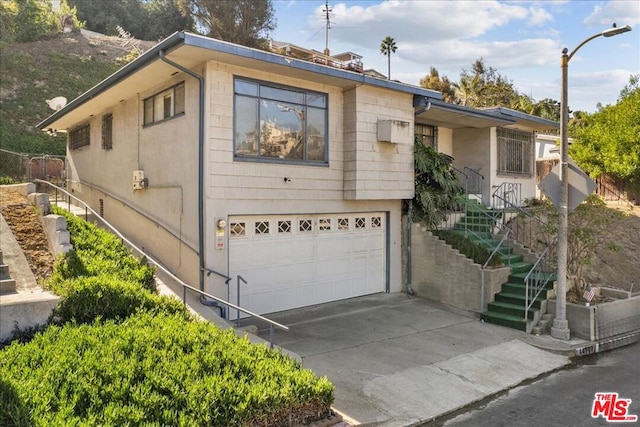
(79, 137)
(107, 131)
(164, 105)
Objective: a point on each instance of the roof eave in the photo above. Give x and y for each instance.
(151, 55)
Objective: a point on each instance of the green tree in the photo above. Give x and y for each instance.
(143, 19)
(496, 90)
(30, 20)
(441, 84)
(244, 22)
(387, 47)
(436, 185)
(608, 141)
(469, 91)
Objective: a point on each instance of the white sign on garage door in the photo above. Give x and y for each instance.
(295, 261)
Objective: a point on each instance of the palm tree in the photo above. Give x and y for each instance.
(468, 90)
(387, 47)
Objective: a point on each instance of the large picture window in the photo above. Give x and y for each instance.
(164, 105)
(277, 123)
(515, 152)
(79, 137)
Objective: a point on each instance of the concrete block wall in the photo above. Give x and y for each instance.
(24, 311)
(443, 274)
(25, 188)
(602, 321)
(55, 227)
(40, 201)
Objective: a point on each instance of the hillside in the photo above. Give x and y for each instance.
(66, 65)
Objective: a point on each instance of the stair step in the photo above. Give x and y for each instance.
(514, 288)
(461, 225)
(512, 309)
(4, 272)
(507, 320)
(7, 286)
(511, 259)
(519, 276)
(520, 267)
(519, 299)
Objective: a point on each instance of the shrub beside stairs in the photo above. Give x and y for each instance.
(507, 309)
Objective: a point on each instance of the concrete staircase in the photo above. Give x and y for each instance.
(7, 284)
(507, 309)
(508, 306)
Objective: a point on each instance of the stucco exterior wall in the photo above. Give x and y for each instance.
(472, 149)
(167, 153)
(445, 141)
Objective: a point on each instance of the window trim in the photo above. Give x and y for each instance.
(265, 159)
(423, 136)
(153, 101)
(527, 168)
(82, 140)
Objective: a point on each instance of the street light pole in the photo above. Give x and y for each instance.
(560, 328)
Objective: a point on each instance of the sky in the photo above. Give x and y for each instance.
(522, 40)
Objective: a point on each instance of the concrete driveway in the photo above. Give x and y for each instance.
(399, 361)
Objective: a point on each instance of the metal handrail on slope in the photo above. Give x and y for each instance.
(169, 273)
(539, 275)
(486, 263)
(477, 182)
(508, 192)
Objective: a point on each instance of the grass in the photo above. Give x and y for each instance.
(29, 78)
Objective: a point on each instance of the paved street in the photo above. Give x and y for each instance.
(564, 398)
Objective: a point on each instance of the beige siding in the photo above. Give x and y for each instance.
(376, 170)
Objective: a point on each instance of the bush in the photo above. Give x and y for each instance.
(97, 252)
(6, 180)
(156, 370)
(468, 248)
(88, 298)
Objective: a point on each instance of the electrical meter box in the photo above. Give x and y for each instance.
(138, 180)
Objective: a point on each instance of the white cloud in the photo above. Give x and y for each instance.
(622, 12)
(539, 16)
(418, 20)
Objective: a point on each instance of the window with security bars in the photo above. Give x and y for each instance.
(79, 137)
(515, 152)
(427, 134)
(107, 131)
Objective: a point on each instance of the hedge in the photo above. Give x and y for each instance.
(153, 370)
(97, 252)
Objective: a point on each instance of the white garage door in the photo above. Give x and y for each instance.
(296, 261)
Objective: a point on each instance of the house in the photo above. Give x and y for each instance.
(226, 161)
(493, 148)
(281, 174)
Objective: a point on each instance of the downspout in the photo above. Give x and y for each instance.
(200, 177)
(410, 290)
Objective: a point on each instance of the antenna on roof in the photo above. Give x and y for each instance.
(326, 11)
(57, 103)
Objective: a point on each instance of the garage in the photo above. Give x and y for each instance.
(291, 261)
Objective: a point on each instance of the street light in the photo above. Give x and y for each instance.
(560, 328)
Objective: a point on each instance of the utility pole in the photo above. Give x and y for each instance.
(326, 12)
